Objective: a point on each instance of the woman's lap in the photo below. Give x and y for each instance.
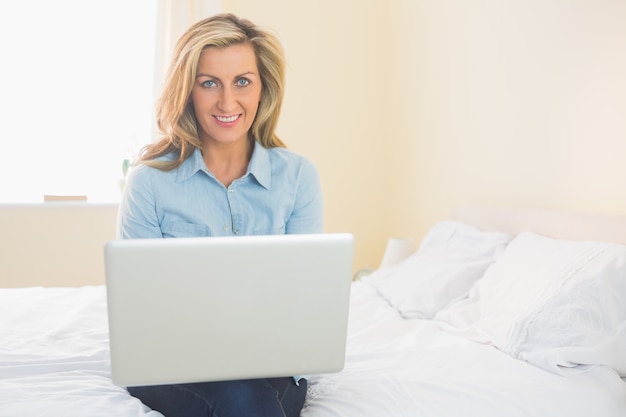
(270, 397)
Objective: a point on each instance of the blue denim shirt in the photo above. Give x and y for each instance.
(280, 193)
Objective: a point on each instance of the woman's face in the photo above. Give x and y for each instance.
(226, 93)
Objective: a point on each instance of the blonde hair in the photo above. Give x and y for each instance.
(175, 114)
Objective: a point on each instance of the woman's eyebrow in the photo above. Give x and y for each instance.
(202, 74)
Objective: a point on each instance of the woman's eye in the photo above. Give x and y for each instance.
(242, 82)
(208, 84)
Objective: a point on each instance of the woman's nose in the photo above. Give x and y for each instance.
(227, 100)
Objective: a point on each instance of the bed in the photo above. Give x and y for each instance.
(499, 312)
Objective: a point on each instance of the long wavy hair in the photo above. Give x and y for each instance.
(175, 115)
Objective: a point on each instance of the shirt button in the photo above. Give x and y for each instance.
(225, 228)
(230, 190)
(236, 232)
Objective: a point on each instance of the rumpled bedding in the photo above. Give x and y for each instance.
(424, 339)
(418, 368)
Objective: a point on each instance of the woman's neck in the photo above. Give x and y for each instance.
(227, 161)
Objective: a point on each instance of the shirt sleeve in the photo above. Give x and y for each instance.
(137, 217)
(308, 212)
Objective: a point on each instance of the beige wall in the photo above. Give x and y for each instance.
(411, 107)
(510, 103)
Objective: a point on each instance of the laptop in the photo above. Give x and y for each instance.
(222, 308)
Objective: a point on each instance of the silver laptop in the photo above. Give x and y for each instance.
(221, 308)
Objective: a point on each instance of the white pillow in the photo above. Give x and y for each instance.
(450, 259)
(554, 303)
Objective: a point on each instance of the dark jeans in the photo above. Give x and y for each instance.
(271, 397)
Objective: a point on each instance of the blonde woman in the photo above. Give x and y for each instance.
(219, 170)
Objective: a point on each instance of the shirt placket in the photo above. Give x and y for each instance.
(235, 209)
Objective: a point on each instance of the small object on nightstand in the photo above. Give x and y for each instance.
(397, 250)
(47, 198)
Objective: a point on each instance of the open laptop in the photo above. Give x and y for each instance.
(221, 308)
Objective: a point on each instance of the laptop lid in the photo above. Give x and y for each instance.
(221, 308)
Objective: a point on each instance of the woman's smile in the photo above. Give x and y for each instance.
(227, 119)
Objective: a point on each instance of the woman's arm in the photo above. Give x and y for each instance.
(137, 216)
(308, 212)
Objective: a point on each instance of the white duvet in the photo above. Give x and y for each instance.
(54, 362)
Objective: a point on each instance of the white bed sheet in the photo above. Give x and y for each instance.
(54, 361)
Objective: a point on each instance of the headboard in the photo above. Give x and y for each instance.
(54, 244)
(553, 223)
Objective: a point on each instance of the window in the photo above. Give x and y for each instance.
(76, 95)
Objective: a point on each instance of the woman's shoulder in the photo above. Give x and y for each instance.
(145, 169)
(288, 156)
(288, 162)
(156, 162)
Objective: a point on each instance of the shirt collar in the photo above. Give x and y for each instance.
(190, 166)
(259, 166)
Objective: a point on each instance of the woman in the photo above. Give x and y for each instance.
(219, 170)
